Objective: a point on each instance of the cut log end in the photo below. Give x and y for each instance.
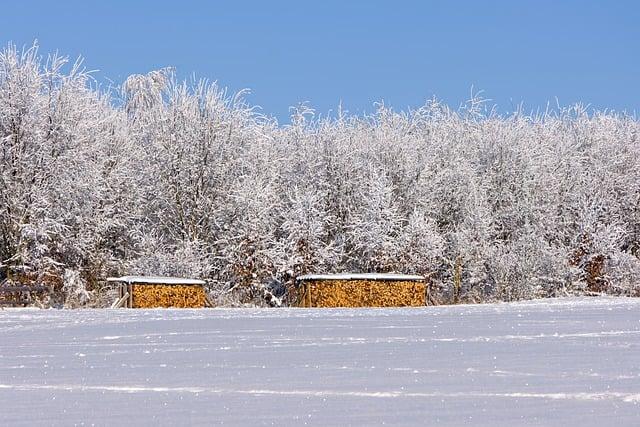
(364, 293)
(168, 296)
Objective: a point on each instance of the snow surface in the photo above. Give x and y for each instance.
(360, 276)
(546, 363)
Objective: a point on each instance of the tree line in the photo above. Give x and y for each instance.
(167, 177)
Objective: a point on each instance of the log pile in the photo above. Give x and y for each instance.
(363, 293)
(178, 296)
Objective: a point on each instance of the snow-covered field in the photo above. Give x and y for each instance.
(556, 362)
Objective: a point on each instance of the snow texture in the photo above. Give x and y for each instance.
(362, 276)
(549, 363)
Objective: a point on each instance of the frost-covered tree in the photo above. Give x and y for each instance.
(182, 178)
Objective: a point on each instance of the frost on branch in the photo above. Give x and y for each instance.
(75, 289)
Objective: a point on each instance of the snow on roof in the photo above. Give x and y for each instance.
(156, 280)
(361, 276)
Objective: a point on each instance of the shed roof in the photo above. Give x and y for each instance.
(156, 280)
(362, 276)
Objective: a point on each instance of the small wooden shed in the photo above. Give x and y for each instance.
(153, 292)
(361, 290)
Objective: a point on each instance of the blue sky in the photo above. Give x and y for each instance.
(356, 52)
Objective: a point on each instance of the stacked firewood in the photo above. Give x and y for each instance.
(180, 296)
(363, 293)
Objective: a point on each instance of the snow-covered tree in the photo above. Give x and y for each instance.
(182, 178)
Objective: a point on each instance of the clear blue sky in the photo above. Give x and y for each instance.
(357, 52)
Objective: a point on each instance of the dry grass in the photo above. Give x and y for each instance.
(179, 296)
(363, 293)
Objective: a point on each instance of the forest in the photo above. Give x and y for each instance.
(161, 176)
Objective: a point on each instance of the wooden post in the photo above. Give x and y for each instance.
(120, 302)
(305, 291)
(427, 293)
(130, 290)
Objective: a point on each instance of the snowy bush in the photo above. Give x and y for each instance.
(75, 289)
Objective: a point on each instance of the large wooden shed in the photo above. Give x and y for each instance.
(153, 292)
(361, 290)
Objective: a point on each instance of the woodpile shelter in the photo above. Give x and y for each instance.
(23, 295)
(361, 290)
(154, 292)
